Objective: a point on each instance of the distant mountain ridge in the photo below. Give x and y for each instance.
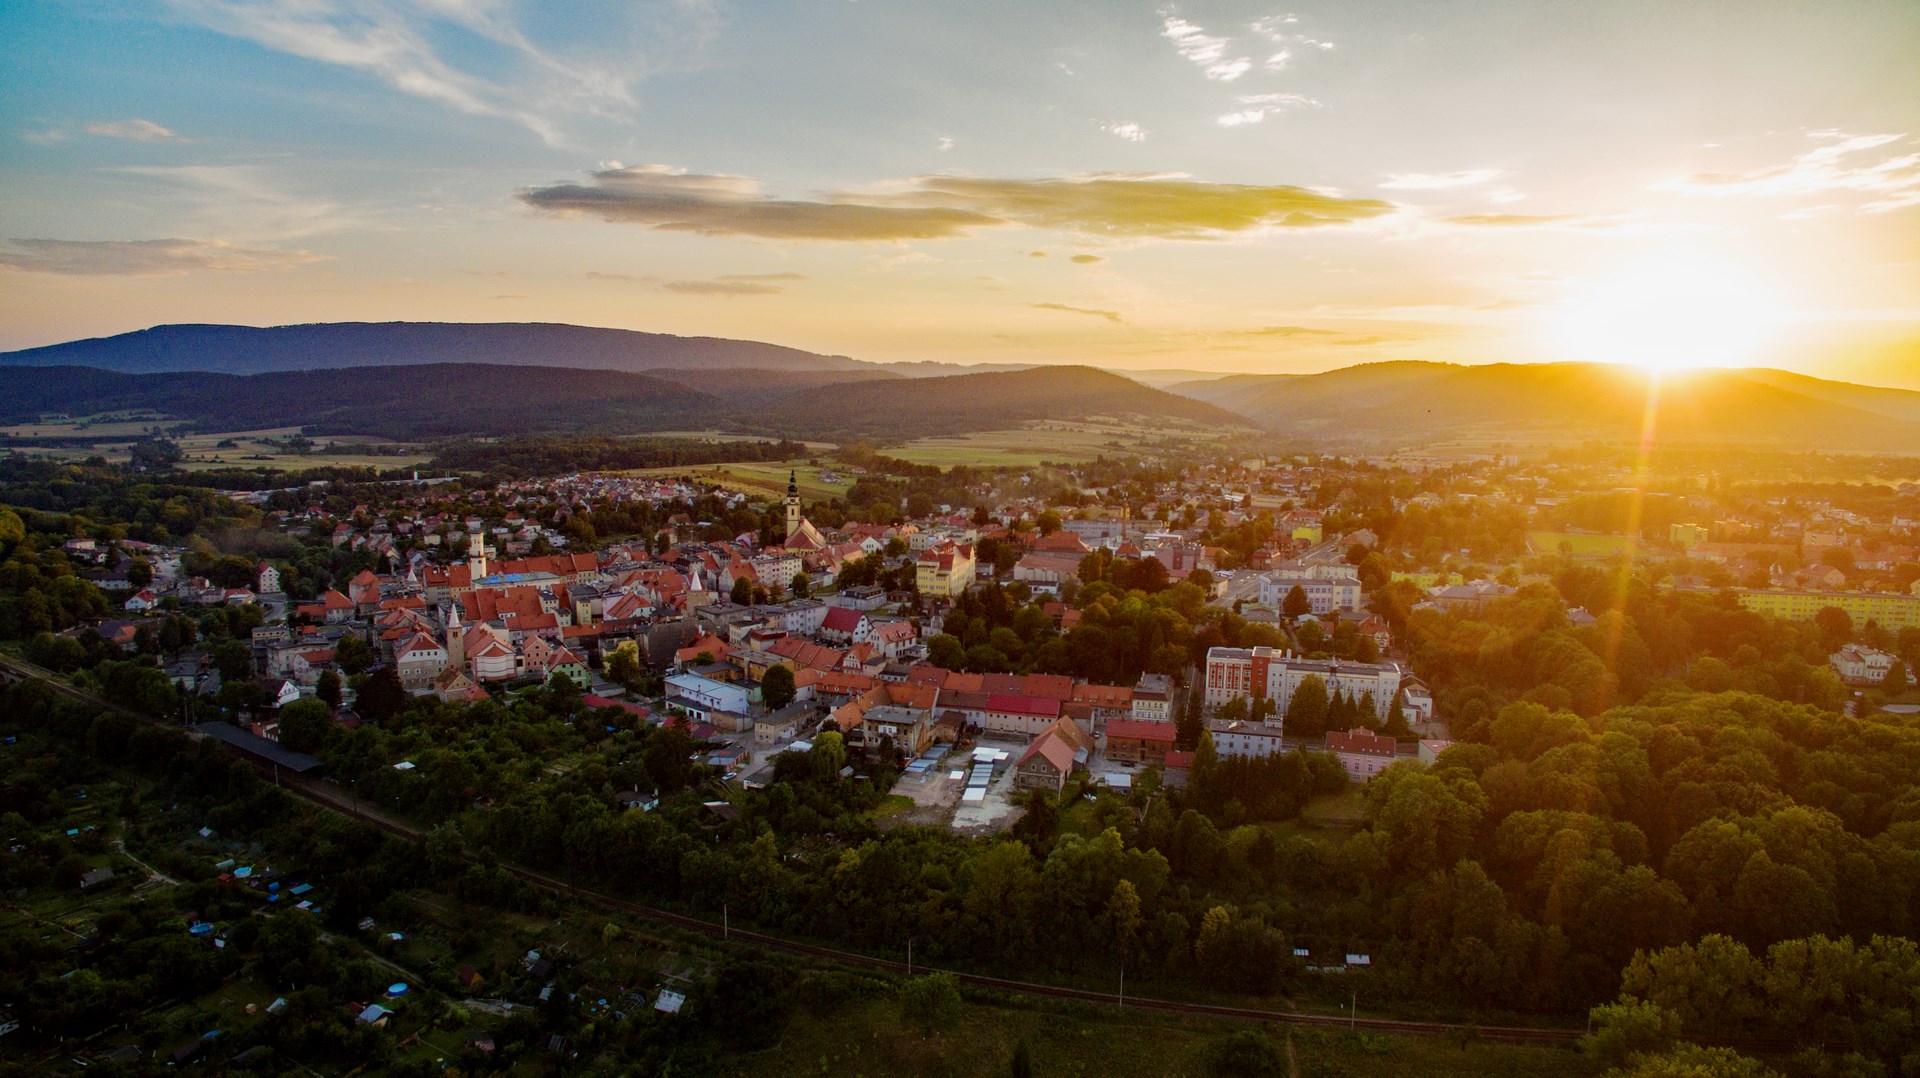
(1408, 402)
(420, 401)
(335, 345)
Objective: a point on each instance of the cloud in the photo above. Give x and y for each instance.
(1133, 204)
(50, 137)
(723, 287)
(1894, 182)
(1278, 30)
(761, 277)
(1516, 220)
(1257, 107)
(674, 201)
(1287, 331)
(143, 258)
(400, 43)
(944, 144)
(1086, 260)
(1196, 46)
(1130, 131)
(596, 275)
(937, 207)
(245, 200)
(1111, 316)
(136, 130)
(1433, 181)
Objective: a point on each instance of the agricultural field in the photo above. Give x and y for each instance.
(1584, 544)
(206, 452)
(766, 478)
(1026, 447)
(866, 1036)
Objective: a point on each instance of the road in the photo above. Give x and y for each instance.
(326, 797)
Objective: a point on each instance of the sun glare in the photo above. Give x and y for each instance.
(1669, 316)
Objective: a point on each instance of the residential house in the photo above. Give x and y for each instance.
(1131, 742)
(1362, 752)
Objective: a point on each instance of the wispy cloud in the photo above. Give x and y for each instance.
(245, 200)
(1257, 107)
(936, 207)
(1111, 316)
(1287, 331)
(1892, 182)
(1279, 30)
(136, 130)
(51, 136)
(739, 284)
(1434, 181)
(143, 258)
(1129, 130)
(1206, 51)
(400, 42)
(1086, 260)
(944, 144)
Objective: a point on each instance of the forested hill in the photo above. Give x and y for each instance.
(1402, 403)
(425, 401)
(437, 400)
(924, 407)
(256, 350)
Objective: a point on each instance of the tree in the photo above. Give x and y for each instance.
(623, 664)
(353, 655)
(801, 585)
(1296, 603)
(304, 725)
(741, 594)
(931, 1003)
(776, 687)
(1834, 623)
(328, 688)
(1244, 1053)
(1048, 522)
(828, 755)
(1895, 682)
(1306, 715)
(382, 696)
(140, 573)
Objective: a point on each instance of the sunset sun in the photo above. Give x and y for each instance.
(1670, 315)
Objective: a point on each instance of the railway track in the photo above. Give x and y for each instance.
(320, 794)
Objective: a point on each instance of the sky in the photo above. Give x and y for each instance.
(1211, 186)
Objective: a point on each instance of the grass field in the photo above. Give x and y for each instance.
(1344, 811)
(204, 452)
(765, 478)
(1583, 544)
(866, 1037)
(1025, 447)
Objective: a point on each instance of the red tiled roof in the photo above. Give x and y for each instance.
(1140, 730)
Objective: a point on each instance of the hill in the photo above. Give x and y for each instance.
(1400, 403)
(961, 403)
(410, 402)
(333, 345)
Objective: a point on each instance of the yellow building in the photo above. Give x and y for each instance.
(1685, 536)
(1890, 611)
(944, 571)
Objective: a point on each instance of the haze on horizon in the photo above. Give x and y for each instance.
(1218, 186)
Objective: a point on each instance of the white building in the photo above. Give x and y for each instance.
(1246, 738)
(703, 699)
(1327, 587)
(1273, 674)
(1153, 698)
(1858, 664)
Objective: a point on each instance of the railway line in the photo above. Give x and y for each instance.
(319, 793)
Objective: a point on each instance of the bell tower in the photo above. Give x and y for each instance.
(477, 555)
(793, 503)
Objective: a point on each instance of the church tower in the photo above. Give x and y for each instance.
(477, 555)
(456, 639)
(793, 503)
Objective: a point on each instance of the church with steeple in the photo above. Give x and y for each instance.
(801, 534)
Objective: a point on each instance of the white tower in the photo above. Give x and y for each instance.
(477, 555)
(793, 504)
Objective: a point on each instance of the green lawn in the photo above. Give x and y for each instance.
(866, 1037)
(1346, 810)
(1583, 545)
